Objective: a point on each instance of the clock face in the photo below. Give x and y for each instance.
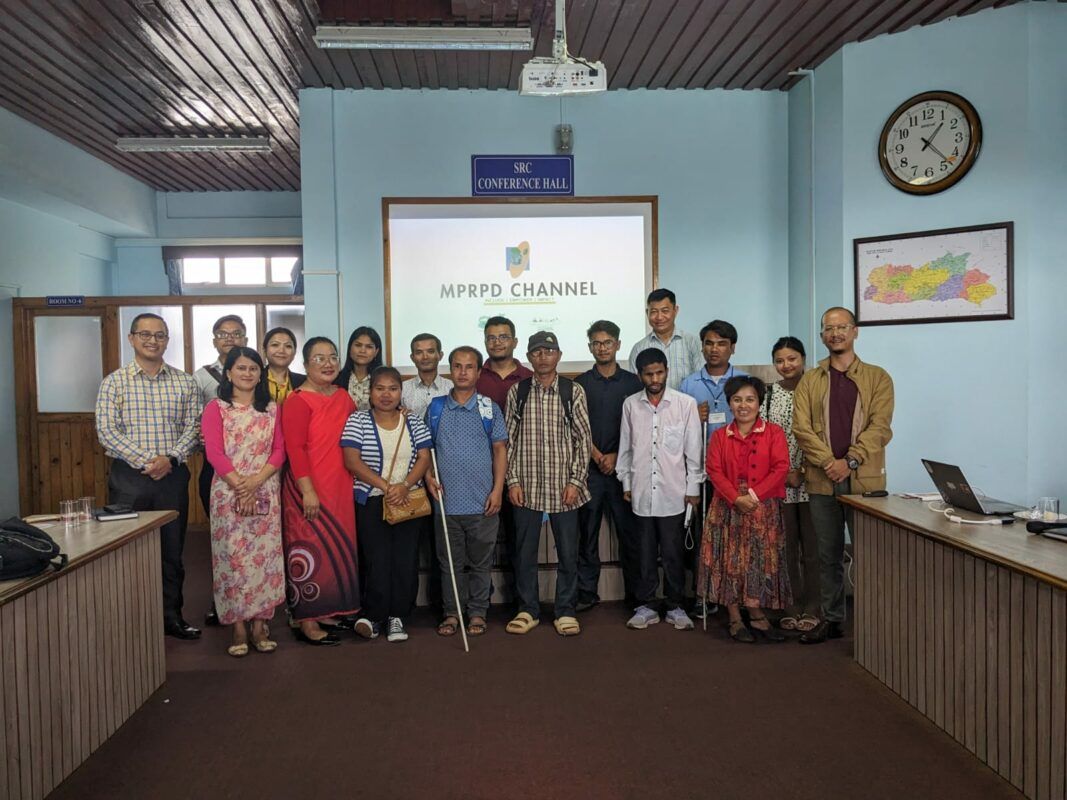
(929, 142)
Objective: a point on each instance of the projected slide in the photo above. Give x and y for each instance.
(555, 267)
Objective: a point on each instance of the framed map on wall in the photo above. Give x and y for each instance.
(949, 275)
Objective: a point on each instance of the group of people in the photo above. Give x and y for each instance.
(315, 483)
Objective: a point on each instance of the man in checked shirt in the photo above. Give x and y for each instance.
(148, 421)
(549, 443)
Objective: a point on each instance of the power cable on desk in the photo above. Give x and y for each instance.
(950, 514)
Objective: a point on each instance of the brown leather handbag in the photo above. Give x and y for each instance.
(418, 501)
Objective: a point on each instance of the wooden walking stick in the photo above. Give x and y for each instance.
(448, 549)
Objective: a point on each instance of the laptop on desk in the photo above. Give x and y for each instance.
(958, 493)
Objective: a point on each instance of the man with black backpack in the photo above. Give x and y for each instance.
(549, 445)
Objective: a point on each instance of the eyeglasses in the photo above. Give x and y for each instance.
(502, 339)
(601, 344)
(229, 336)
(829, 329)
(147, 336)
(318, 361)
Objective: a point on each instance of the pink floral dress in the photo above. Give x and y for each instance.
(247, 566)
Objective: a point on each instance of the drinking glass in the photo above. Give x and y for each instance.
(1048, 509)
(68, 512)
(85, 508)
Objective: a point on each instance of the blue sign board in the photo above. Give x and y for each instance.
(65, 300)
(522, 176)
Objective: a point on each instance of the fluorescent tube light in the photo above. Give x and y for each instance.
(190, 144)
(364, 37)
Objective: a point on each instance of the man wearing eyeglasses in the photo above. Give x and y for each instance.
(227, 333)
(148, 422)
(607, 385)
(502, 371)
(842, 417)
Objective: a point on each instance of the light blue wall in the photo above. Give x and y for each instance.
(716, 159)
(42, 254)
(967, 393)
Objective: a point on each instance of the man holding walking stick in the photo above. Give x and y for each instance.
(470, 439)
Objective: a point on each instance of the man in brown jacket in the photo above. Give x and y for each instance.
(843, 409)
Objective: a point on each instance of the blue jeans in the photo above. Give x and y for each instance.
(829, 517)
(605, 496)
(527, 537)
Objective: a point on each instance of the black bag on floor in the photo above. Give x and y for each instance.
(26, 551)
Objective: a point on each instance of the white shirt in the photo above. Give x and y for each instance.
(660, 453)
(415, 395)
(209, 386)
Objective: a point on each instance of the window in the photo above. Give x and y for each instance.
(205, 269)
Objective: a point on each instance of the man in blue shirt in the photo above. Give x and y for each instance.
(718, 340)
(470, 437)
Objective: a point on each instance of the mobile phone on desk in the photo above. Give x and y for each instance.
(114, 512)
(876, 493)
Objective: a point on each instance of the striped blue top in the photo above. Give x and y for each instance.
(361, 434)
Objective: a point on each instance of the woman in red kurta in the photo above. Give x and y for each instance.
(742, 555)
(319, 522)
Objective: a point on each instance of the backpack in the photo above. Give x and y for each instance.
(437, 408)
(566, 397)
(26, 551)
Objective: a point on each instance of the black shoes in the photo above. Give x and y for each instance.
(739, 632)
(329, 640)
(211, 618)
(584, 604)
(771, 636)
(180, 629)
(823, 631)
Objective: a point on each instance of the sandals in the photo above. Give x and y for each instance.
(789, 622)
(476, 628)
(768, 634)
(523, 623)
(238, 650)
(807, 622)
(448, 627)
(265, 645)
(740, 633)
(567, 626)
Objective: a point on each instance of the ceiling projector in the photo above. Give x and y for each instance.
(549, 77)
(562, 74)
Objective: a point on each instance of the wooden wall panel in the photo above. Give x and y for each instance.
(978, 648)
(71, 463)
(72, 650)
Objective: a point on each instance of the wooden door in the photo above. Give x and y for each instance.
(61, 355)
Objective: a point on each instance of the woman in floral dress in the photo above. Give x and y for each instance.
(243, 442)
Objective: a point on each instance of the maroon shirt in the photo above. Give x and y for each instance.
(496, 388)
(843, 397)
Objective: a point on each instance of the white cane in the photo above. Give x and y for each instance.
(448, 549)
(703, 512)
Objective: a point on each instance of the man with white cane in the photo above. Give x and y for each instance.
(470, 463)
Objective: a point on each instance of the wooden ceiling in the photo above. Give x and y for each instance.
(92, 70)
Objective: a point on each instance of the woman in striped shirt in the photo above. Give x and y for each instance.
(388, 453)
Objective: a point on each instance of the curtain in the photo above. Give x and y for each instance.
(173, 268)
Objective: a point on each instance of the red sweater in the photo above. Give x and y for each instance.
(761, 460)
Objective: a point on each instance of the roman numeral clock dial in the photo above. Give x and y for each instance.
(929, 142)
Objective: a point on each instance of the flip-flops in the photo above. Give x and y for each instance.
(807, 623)
(788, 623)
(476, 628)
(567, 626)
(522, 623)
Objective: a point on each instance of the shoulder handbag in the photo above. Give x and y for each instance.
(418, 501)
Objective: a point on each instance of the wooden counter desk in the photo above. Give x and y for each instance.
(80, 650)
(968, 624)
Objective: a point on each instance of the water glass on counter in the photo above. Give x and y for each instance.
(1046, 510)
(85, 508)
(69, 512)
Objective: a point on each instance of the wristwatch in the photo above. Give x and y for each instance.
(852, 463)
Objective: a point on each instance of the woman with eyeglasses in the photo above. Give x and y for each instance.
(319, 523)
(364, 355)
(279, 347)
(243, 442)
(742, 553)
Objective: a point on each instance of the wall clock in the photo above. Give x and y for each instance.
(929, 142)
